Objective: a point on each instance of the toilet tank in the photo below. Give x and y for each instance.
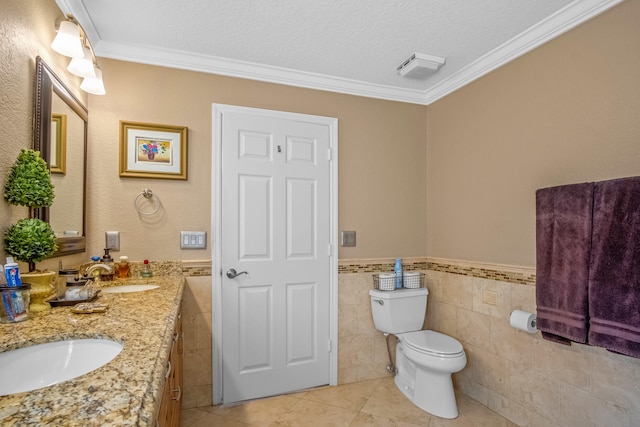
(398, 311)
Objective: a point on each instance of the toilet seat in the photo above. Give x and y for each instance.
(433, 343)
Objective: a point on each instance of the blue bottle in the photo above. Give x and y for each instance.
(398, 272)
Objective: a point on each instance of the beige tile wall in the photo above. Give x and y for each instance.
(526, 379)
(196, 325)
(523, 377)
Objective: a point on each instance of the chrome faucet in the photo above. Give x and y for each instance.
(94, 267)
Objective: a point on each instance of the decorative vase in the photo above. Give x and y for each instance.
(42, 287)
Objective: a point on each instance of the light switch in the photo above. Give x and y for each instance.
(347, 238)
(193, 240)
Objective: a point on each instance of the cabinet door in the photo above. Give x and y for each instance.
(165, 403)
(171, 403)
(176, 375)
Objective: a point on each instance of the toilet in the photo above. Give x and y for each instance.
(425, 359)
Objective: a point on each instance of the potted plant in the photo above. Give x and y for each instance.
(31, 240)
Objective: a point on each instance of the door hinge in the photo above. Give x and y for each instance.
(329, 250)
(329, 346)
(329, 154)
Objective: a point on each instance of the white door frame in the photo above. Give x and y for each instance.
(216, 227)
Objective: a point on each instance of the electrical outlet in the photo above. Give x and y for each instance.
(112, 239)
(347, 238)
(193, 240)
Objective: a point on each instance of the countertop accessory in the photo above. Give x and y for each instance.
(87, 308)
(147, 194)
(15, 303)
(62, 302)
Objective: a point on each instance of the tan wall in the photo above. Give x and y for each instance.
(382, 181)
(26, 31)
(567, 112)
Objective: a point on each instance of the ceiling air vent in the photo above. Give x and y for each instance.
(419, 65)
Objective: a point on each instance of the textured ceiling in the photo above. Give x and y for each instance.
(350, 46)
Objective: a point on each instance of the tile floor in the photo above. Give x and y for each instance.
(366, 403)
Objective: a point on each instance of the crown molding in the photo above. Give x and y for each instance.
(253, 71)
(555, 25)
(564, 20)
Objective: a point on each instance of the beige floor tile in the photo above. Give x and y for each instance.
(484, 417)
(368, 420)
(189, 417)
(349, 396)
(462, 421)
(363, 404)
(213, 420)
(257, 412)
(311, 414)
(388, 401)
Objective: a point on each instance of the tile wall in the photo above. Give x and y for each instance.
(524, 378)
(521, 376)
(196, 325)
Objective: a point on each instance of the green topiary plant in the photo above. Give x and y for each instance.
(29, 184)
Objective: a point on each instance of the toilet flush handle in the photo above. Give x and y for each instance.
(379, 301)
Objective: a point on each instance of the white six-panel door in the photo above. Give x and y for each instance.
(275, 226)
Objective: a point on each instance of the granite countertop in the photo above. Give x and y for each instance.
(124, 392)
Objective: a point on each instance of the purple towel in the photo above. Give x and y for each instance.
(563, 246)
(614, 280)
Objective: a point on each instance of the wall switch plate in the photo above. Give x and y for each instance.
(347, 238)
(193, 240)
(112, 240)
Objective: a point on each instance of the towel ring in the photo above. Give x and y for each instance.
(147, 194)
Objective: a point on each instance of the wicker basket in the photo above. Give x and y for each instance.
(384, 281)
(413, 280)
(387, 281)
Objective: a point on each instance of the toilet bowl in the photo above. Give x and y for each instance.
(425, 360)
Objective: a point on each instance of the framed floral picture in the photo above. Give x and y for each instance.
(153, 151)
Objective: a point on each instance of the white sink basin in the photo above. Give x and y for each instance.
(128, 288)
(43, 365)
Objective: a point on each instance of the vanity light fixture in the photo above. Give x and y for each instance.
(72, 41)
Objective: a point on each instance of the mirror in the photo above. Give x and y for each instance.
(60, 134)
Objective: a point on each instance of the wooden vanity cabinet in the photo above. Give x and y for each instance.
(170, 405)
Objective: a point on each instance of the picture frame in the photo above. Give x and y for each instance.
(58, 145)
(150, 150)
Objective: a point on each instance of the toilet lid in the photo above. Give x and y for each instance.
(432, 342)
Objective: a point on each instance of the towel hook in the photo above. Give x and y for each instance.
(147, 194)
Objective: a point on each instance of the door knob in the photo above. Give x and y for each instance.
(232, 273)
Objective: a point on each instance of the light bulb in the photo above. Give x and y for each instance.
(94, 85)
(82, 67)
(67, 41)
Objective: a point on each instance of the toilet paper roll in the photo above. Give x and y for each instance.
(524, 321)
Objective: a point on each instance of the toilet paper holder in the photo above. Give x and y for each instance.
(524, 321)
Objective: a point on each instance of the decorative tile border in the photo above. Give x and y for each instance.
(197, 268)
(380, 265)
(500, 272)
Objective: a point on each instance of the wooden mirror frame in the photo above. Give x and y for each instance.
(47, 83)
